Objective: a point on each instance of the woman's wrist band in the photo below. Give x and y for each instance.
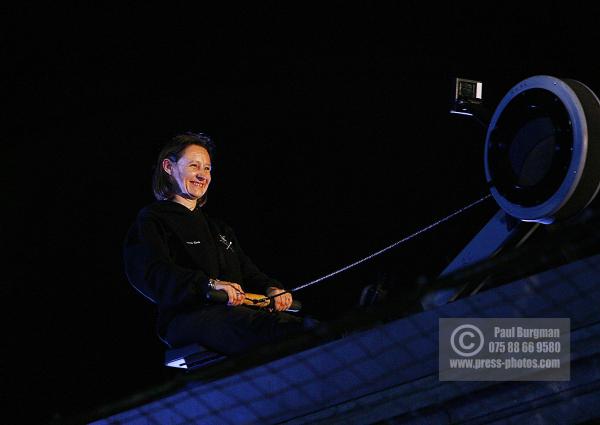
(212, 283)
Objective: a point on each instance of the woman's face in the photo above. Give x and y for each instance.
(191, 172)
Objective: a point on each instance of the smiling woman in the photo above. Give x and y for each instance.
(183, 170)
(191, 174)
(175, 254)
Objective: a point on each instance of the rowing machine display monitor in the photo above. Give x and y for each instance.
(468, 100)
(542, 164)
(467, 91)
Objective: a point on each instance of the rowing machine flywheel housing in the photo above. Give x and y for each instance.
(542, 149)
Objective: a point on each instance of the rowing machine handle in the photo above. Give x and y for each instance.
(251, 300)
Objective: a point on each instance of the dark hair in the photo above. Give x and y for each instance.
(163, 185)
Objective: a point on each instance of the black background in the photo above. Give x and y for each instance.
(334, 140)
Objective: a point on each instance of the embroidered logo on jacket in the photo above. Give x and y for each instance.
(192, 242)
(225, 242)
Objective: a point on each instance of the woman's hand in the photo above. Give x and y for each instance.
(282, 302)
(234, 291)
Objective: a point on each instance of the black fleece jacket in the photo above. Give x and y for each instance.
(170, 253)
